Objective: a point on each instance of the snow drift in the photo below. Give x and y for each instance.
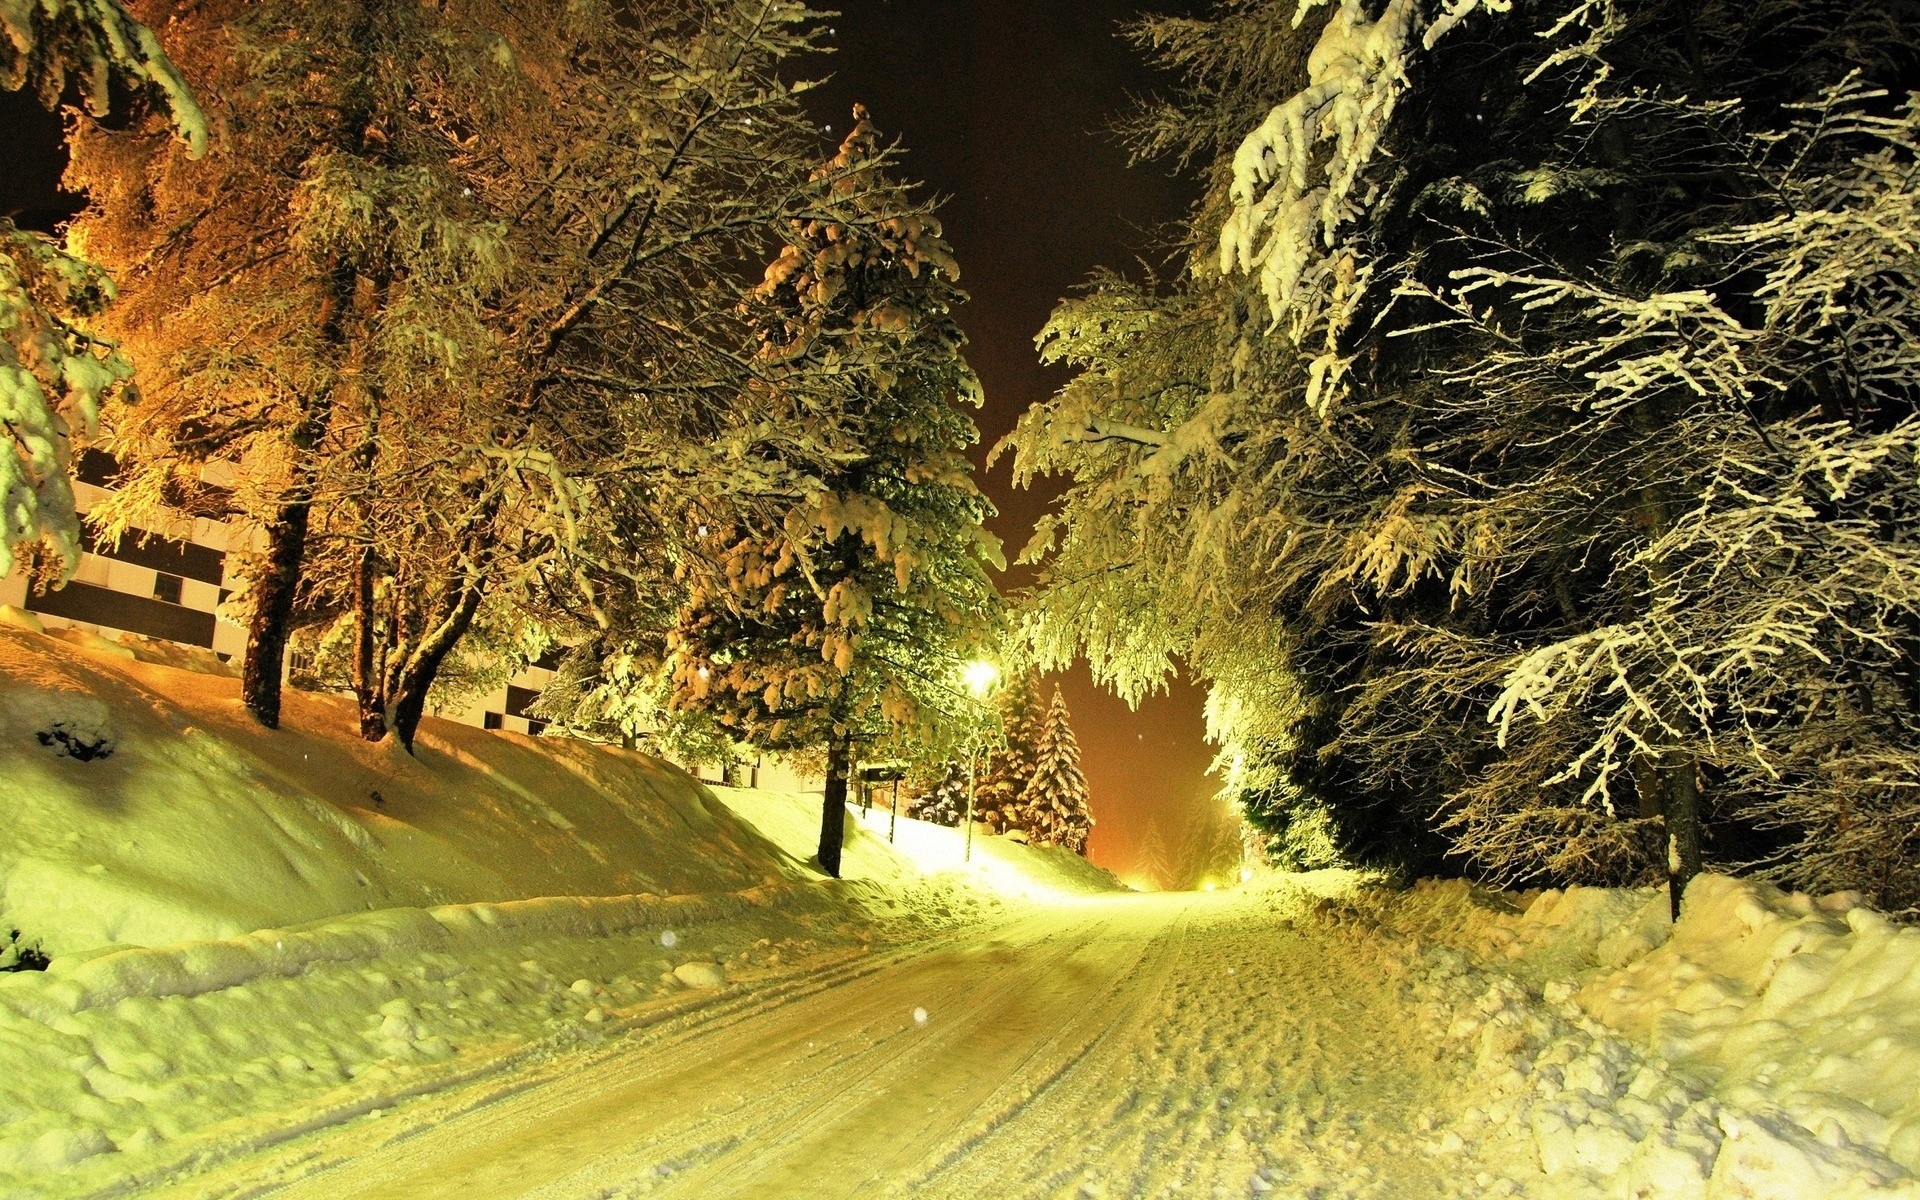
(1764, 1047)
(185, 821)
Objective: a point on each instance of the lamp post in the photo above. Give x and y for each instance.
(981, 676)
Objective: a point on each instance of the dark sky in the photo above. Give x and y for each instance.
(1003, 106)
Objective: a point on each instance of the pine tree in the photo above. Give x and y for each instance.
(853, 612)
(946, 802)
(54, 373)
(1054, 804)
(1010, 765)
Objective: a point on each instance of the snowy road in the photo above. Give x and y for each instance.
(1132, 1046)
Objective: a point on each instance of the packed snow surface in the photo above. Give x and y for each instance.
(661, 997)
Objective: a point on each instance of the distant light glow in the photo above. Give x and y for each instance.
(1246, 873)
(980, 676)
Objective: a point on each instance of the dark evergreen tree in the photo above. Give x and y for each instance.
(946, 802)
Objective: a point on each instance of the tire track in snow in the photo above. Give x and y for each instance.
(722, 1085)
(1131, 1046)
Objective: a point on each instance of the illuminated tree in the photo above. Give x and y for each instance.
(854, 613)
(998, 800)
(327, 261)
(1513, 455)
(54, 374)
(1054, 804)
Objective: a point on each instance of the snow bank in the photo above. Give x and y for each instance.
(145, 808)
(258, 933)
(1809, 1004)
(897, 853)
(1765, 1047)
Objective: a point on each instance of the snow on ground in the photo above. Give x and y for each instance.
(1766, 1046)
(198, 824)
(898, 850)
(513, 966)
(253, 934)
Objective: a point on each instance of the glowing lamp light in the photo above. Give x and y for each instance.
(1246, 873)
(980, 676)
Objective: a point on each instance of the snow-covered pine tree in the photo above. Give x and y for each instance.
(945, 803)
(1054, 805)
(854, 612)
(1010, 763)
(54, 374)
(1497, 391)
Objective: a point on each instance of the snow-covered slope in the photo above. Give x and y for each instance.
(255, 933)
(198, 824)
(896, 851)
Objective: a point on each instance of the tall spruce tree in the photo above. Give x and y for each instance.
(1009, 766)
(854, 613)
(1054, 804)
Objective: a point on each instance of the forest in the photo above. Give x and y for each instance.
(1518, 439)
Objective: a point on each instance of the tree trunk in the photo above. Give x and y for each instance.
(273, 613)
(1681, 788)
(833, 807)
(273, 591)
(367, 673)
(408, 703)
(366, 678)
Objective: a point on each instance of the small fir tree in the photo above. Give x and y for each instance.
(1054, 803)
(946, 802)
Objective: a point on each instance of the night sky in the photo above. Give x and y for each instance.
(1003, 106)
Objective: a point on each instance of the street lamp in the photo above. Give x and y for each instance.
(980, 676)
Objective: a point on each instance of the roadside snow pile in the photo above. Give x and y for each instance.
(1813, 1005)
(126, 1067)
(1765, 1048)
(143, 807)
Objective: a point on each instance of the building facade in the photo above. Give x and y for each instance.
(172, 583)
